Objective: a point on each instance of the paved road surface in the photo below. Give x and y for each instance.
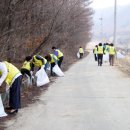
(87, 98)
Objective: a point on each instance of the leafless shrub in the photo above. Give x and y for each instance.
(31, 26)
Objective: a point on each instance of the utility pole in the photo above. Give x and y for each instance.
(115, 20)
(101, 33)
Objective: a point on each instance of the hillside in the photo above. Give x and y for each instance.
(34, 26)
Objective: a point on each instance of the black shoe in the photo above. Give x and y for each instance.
(8, 108)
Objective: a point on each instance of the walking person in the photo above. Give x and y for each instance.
(59, 55)
(13, 78)
(112, 52)
(100, 51)
(81, 52)
(107, 48)
(95, 52)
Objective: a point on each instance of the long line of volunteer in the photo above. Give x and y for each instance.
(104, 51)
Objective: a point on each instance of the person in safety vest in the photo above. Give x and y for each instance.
(109, 44)
(59, 55)
(100, 52)
(81, 52)
(13, 79)
(26, 68)
(39, 61)
(95, 52)
(106, 52)
(104, 45)
(112, 52)
(106, 48)
(52, 60)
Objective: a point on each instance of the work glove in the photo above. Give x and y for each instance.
(31, 72)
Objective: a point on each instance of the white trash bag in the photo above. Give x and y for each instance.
(2, 112)
(49, 68)
(106, 57)
(78, 55)
(56, 69)
(42, 77)
(119, 55)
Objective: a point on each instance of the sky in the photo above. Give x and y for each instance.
(102, 9)
(97, 4)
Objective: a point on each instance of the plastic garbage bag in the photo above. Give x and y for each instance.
(2, 112)
(106, 57)
(57, 71)
(78, 55)
(49, 68)
(42, 77)
(29, 81)
(119, 55)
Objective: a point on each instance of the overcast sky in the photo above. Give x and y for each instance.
(108, 3)
(106, 14)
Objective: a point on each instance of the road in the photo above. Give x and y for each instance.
(89, 97)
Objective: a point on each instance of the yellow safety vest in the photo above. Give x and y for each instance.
(26, 65)
(37, 62)
(81, 50)
(60, 54)
(95, 50)
(12, 72)
(100, 50)
(112, 51)
(53, 58)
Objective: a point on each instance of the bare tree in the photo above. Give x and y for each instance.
(33, 26)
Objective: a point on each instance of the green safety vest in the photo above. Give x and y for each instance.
(107, 48)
